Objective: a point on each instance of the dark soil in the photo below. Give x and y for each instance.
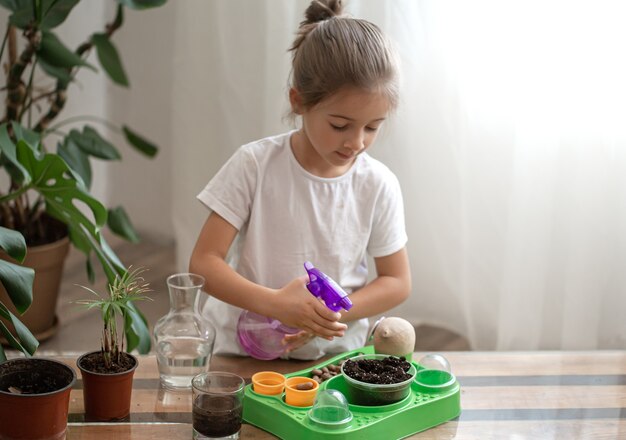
(33, 377)
(378, 371)
(45, 230)
(94, 362)
(217, 416)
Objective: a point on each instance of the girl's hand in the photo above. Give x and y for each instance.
(296, 307)
(296, 341)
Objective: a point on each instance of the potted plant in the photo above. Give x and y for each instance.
(108, 373)
(47, 162)
(34, 398)
(34, 393)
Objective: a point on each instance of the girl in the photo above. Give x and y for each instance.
(312, 194)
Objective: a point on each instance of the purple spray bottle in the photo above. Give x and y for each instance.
(262, 337)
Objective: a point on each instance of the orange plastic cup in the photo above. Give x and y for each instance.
(296, 397)
(268, 382)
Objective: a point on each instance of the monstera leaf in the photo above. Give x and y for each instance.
(52, 178)
(18, 283)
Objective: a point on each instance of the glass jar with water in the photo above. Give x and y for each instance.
(183, 338)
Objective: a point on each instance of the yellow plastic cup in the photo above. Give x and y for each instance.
(268, 382)
(296, 397)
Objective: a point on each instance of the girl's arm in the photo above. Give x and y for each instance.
(293, 305)
(390, 288)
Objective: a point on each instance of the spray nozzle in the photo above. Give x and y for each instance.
(324, 287)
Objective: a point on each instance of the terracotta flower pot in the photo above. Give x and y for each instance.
(107, 395)
(48, 261)
(40, 415)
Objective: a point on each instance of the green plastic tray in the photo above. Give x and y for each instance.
(423, 408)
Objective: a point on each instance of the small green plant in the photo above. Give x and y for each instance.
(124, 290)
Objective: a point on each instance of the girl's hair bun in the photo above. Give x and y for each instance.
(332, 51)
(320, 10)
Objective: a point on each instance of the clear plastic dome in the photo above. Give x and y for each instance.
(435, 372)
(330, 409)
(435, 361)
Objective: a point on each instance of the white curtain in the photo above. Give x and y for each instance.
(509, 143)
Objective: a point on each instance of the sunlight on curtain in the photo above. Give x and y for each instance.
(509, 143)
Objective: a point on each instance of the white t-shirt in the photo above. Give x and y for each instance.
(286, 216)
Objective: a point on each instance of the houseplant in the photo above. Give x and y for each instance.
(34, 393)
(34, 398)
(108, 373)
(47, 162)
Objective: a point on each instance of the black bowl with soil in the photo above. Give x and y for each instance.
(377, 379)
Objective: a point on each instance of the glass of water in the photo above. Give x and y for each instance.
(217, 405)
(183, 338)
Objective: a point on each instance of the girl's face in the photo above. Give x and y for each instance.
(337, 129)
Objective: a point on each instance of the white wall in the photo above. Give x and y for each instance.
(142, 185)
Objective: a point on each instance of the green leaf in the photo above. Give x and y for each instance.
(79, 239)
(109, 59)
(13, 243)
(23, 13)
(31, 137)
(18, 282)
(60, 73)
(104, 311)
(11, 5)
(76, 159)
(13, 342)
(7, 147)
(111, 269)
(120, 224)
(136, 326)
(27, 342)
(111, 256)
(140, 143)
(86, 241)
(117, 308)
(132, 340)
(52, 179)
(93, 144)
(141, 4)
(54, 52)
(55, 12)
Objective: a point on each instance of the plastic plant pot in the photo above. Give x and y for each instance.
(107, 396)
(369, 394)
(300, 397)
(41, 412)
(269, 383)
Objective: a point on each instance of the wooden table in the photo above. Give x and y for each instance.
(504, 395)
